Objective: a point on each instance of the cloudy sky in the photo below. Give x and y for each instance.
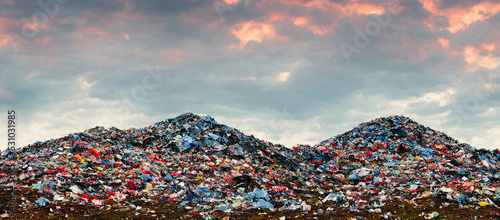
(287, 71)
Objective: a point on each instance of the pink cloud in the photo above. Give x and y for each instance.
(4, 40)
(42, 41)
(476, 60)
(307, 23)
(445, 43)
(253, 31)
(422, 55)
(89, 36)
(338, 11)
(199, 18)
(230, 2)
(362, 8)
(113, 20)
(175, 55)
(4, 35)
(169, 55)
(35, 26)
(459, 17)
(353, 7)
(489, 47)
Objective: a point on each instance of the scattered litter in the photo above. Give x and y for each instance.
(202, 165)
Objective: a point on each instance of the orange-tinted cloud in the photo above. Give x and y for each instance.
(422, 55)
(202, 17)
(439, 44)
(489, 47)
(307, 23)
(362, 8)
(42, 41)
(95, 30)
(90, 36)
(445, 43)
(459, 17)
(4, 36)
(35, 26)
(171, 55)
(230, 2)
(253, 31)
(353, 8)
(175, 55)
(348, 9)
(4, 40)
(480, 12)
(276, 16)
(476, 60)
(452, 53)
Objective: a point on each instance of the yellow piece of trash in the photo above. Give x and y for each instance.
(417, 158)
(483, 203)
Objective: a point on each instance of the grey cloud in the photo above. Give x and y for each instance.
(160, 7)
(414, 9)
(447, 4)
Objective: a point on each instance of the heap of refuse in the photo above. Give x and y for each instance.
(205, 166)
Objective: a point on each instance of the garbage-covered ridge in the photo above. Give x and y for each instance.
(194, 167)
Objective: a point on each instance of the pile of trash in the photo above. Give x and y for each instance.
(204, 166)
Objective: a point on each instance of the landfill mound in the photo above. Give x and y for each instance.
(193, 167)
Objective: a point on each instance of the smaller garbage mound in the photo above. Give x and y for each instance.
(198, 165)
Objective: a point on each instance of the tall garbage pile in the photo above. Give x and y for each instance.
(205, 167)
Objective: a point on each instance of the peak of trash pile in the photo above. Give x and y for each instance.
(206, 168)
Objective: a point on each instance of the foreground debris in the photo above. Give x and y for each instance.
(193, 167)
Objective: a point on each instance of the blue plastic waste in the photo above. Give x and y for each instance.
(264, 204)
(43, 201)
(146, 177)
